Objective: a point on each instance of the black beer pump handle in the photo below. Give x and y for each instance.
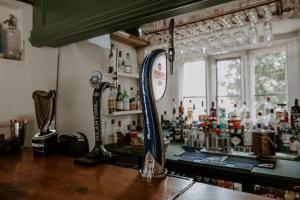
(171, 51)
(97, 99)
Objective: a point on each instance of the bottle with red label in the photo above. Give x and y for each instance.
(213, 115)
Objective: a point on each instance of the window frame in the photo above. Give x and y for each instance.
(247, 62)
(252, 55)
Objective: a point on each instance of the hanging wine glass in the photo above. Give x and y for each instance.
(240, 36)
(253, 33)
(268, 35)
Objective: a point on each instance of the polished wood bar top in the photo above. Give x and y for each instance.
(24, 177)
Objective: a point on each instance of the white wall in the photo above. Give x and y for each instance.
(19, 79)
(74, 104)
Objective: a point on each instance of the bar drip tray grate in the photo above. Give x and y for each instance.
(217, 160)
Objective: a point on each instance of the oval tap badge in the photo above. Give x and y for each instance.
(159, 76)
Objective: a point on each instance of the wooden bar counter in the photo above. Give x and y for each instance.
(24, 177)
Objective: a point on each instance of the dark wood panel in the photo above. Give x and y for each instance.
(86, 19)
(54, 10)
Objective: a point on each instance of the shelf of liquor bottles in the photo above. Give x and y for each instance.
(119, 113)
(274, 132)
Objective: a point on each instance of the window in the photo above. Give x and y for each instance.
(270, 78)
(229, 83)
(194, 86)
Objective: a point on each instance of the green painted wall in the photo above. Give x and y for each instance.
(60, 22)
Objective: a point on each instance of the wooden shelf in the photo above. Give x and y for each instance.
(119, 113)
(129, 39)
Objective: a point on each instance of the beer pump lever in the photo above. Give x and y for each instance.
(99, 153)
(153, 82)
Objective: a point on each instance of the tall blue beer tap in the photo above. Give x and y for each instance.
(153, 83)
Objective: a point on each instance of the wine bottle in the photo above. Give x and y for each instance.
(126, 101)
(112, 60)
(128, 67)
(120, 105)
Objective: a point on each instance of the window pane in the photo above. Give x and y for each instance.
(229, 77)
(194, 79)
(270, 73)
(198, 105)
(270, 79)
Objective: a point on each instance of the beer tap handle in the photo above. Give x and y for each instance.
(115, 73)
(171, 51)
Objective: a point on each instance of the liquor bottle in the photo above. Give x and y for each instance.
(139, 125)
(133, 127)
(111, 102)
(259, 122)
(111, 59)
(114, 138)
(212, 110)
(174, 108)
(181, 110)
(120, 105)
(126, 101)
(233, 113)
(165, 117)
(284, 136)
(221, 109)
(268, 106)
(132, 101)
(271, 123)
(248, 129)
(11, 37)
(120, 62)
(120, 133)
(190, 112)
(222, 119)
(195, 120)
(243, 111)
(138, 101)
(128, 66)
(295, 117)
